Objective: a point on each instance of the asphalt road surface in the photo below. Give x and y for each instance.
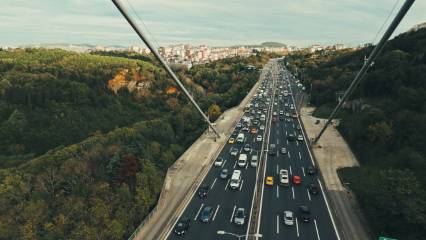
(275, 199)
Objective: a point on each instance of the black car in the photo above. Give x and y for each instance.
(298, 128)
(204, 189)
(313, 189)
(281, 118)
(291, 137)
(234, 134)
(305, 213)
(224, 173)
(311, 170)
(182, 226)
(206, 214)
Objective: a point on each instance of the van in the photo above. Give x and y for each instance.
(235, 179)
(272, 150)
(240, 138)
(253, 161)
(242, 160)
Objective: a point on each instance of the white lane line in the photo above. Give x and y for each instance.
(241, 186)
(251, 150)
(297, 228)
(254, 139)
(226, 186)
(300, 156)
(297, 142)
(223, 164)
(329, 212)
(286, 133)
(277, 169)
(278, 224)
(287, 141)
(247, 165)
(309, 195)
(233, 211)
(278, 154)
(278, 141)
(292, 191)
(217, 209)
(303, 170)
(288, 154)
(241, 150)
(291, 172)
(213, 183)
(199, 210)
(235, 164)
(316, 229)
(278, 191)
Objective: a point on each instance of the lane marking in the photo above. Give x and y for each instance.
(213, 183)
(329, 211)
(241, 186)
(300, 156)
(286, 133)
(278, 224)
(247, 165)
(303, 170)
(232, 215)
(198, 212)
(291, 172)
(288, 153)
(277, 169)
(223, 164)
(292, 190)
(297, 228)
(297, 142)
(316, 229)
(235, 164)
(278, 192)
(226, 186)
(278, 141)
(217, 209)
(309, 195)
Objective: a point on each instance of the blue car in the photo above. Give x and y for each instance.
(206, 214)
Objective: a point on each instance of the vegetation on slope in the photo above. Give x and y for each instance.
(384, 123)
(81, 161)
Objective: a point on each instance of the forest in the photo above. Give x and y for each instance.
(384, 122)
(86, 139)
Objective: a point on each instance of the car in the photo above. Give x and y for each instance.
(290, 137)
(281, 112)
(284, 177)
(245, 128)
(272, 150)
(298, 128)
(239, 125)
(231, 140)
(262, 127)
(206, 214)
(300, 137)
(182, 226)
(274, 114)
(311, 170)
(275, 103)
(247, 148)
(287, 114)
(294, 115)
(269, 181)
(274, 119)
(234, 134)
(305, 213)
(259, 138)
(219, 162)
(203, 191)
(288, 218)
(253, 130)
(256, 122)
(240, 216)
(281, 118)
(233, 151)
(313, 189)
(288, 120)
(224, 174)
(283, 150)
(297, 180)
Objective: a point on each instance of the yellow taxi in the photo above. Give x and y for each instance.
(269, 181)
(231, 141)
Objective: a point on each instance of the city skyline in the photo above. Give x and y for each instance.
(301, 23)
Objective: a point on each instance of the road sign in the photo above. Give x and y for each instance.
(386, 238)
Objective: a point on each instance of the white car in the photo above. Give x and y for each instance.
(259, 138)
(288, 218)
(284, 177)
(300, 137)
(262, 127)
(218, 162)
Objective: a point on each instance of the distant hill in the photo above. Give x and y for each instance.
(273, 44)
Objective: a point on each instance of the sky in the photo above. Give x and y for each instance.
(212, 22)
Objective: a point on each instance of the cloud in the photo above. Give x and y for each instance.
(215, 22)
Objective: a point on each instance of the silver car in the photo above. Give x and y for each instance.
(240, 216)
(288, 218)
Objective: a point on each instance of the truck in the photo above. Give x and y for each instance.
(235, 179)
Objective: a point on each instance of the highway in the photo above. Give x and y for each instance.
(225, 201)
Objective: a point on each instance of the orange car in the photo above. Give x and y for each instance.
(254, 130)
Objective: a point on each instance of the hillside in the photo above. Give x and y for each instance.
(86, 140)
(384, 123)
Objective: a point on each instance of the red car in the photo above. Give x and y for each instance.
(274, 119)
(297, 180)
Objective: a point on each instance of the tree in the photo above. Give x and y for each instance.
(214, 112)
